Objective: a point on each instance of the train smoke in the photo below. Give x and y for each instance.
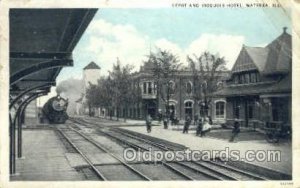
(72, 90)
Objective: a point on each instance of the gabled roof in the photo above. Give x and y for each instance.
(250, 58)
(275, 58)
(280, 55)
(258, 55)
(91, 65)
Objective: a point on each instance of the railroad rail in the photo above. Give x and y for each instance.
(177, 167)
(96, 171)
(90, 163)
(211, 169)
(240, 174)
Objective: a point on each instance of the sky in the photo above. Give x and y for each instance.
(130, 34)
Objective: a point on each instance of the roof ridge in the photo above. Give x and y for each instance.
(260, 65)
(92, 65)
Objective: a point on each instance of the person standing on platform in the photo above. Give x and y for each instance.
(206, 126)
(199, 127)
(187, 124)
(159, 116)
(165, 122)
(196, 118)
(235, 131)
(148, 123)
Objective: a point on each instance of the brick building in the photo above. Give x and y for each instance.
(181, 100)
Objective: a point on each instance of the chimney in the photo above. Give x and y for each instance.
(284, 29)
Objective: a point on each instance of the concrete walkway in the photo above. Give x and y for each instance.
(208, 143)
(44, 158)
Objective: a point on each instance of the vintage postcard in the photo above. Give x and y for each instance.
(149, 93)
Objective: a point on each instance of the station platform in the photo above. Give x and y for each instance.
(194, 142)
(44, 158)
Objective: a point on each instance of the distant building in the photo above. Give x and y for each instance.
(181, 101)
(259, 88)
(91, 75)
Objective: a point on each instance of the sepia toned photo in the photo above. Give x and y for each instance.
(191, 91)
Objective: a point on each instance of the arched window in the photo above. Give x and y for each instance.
(188, 106)
(220, 109)
(171, 87)
(189, 87)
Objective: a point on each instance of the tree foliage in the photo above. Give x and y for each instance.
(206, 69)
(114, 91)
(165, 66)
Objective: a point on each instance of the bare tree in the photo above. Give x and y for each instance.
(206, 69)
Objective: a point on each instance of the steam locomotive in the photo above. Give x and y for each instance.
(55, 110)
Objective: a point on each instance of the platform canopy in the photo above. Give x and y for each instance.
(41, 44)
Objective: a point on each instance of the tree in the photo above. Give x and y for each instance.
(206, 69)
(100, 95)
(121, 84)
(114, 91)
(165, 66)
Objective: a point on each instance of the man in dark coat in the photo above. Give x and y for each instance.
(148, 123)
(165, 122)
(235, 131)
(199, 127)
(187, 124)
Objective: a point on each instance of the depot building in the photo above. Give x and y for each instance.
(258, 90)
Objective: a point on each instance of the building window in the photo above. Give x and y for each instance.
(145, 87)
(236, 79)
(257, 77)
(171, 87)
(220, 109)
(280, 111)
(172, 110)
(149, 87)
(203, 110)
(189, 109)
(188, 87)
(251, 109)
(241, 78)
(253, 77)
(236, 109)
(247, 78)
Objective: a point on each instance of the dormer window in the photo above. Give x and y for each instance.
(246, 78)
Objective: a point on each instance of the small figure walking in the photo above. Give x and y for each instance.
(187, 124)
(165, 122)
(199, 128)
(196, 119)
(159, 115)
(235, 131)
(148, 123)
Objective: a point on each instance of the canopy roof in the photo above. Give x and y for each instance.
(41, 43)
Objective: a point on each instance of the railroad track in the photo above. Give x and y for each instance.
(87, 147)
(219, 168)
(188, 172)
(209, 169)
(183, 171)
